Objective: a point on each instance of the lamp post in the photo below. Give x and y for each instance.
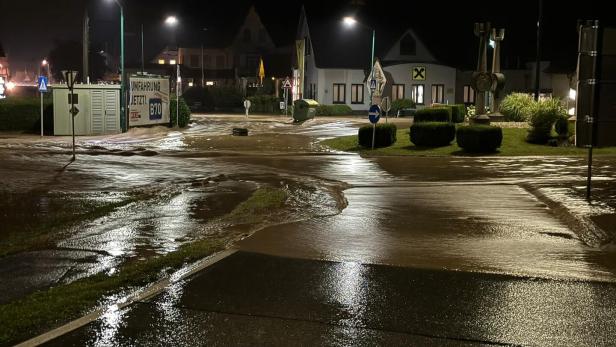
(350, 22)
(122, 79)
(172, 22)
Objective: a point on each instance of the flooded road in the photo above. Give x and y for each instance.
(493, 216)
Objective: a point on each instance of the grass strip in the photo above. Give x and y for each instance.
(43, 310)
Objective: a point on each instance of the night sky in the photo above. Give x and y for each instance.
(28, 27)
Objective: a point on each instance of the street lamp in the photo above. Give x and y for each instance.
(349, 22)
(172, 22)
(122, 79)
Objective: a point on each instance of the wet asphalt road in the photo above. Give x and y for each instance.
(429, 251)
(254, 299)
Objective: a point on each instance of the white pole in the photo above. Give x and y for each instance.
(177, 96)
(373, 133)
(41, 113)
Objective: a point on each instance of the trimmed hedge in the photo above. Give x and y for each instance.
(458, 111)
(433, 114)
(432, 134)
(334, 110)
(184, 118)
(385, 135)
(24, 114)
(479, 138)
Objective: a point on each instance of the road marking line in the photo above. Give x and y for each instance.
(140, 295)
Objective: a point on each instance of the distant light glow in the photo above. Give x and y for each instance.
(572, 111)
(44, 62)
(161, 61)
(492, 43)
(171, 20)
(10, 85)
(210, 83)
(572, 94)
(349, 21)
(190, 84)
(172, 62)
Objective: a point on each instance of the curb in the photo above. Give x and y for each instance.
(140, 295)
(589, 233)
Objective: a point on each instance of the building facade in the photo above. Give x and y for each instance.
(337, 73)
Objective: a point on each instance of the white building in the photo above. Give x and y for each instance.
(338, 58)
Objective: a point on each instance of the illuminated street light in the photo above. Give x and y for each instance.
(349, 21)
(10, 85)
(171, 21)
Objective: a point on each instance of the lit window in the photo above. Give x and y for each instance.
(339, 95)
(161, 61)
(210, 83)
(397, 92)
(417, 94)
(469, 95)
(190, 84)
(172, 62)
(438, 93)
(357, 94)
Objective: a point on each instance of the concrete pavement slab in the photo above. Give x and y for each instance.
(257, 299)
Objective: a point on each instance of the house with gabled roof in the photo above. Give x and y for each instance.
(229, 54)
(337, 63)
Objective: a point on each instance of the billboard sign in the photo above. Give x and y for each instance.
(149, 101)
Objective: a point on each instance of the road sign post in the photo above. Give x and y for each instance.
(287, 86)
(42, 87)
(386, 106)
(374, 114)
(70, 77)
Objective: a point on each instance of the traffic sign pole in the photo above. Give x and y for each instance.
(41, 113)
(373, 134)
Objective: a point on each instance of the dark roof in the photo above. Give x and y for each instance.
(2, 54)
(336, 46)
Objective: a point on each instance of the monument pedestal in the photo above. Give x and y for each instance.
(482, 119)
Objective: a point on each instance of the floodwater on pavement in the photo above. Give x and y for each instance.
(468, 214)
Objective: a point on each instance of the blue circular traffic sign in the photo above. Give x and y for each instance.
(374, 114)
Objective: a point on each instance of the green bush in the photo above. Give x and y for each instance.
(479, 138)
(264, 104)
(432, 134)
(543, 115)
(516, 107)
(184, 118)
(433, 114)
(562, 127)
(333, 110)
(458, 111)
(385, 135)
(23, 113)
(399, 104)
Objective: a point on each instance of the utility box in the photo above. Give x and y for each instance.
(304, 109)
(98, 105)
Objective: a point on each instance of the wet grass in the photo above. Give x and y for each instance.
(514, 144)
(27, 226)
(43, 310)
(261, 202)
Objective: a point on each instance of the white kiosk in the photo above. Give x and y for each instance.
(98, 105)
